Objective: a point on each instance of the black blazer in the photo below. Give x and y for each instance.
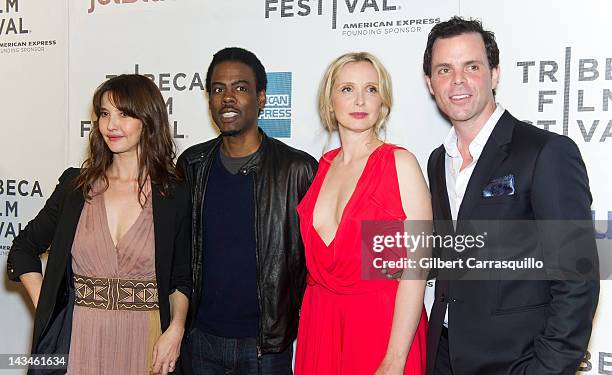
(54, 228)
(513, 326)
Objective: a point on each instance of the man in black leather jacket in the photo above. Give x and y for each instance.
(248, 258)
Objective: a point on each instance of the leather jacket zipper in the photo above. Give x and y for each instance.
(202, 181)
(259, 328)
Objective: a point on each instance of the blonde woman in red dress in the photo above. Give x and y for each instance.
(349, 325)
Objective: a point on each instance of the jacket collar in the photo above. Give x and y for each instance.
(252, 164)
(494, 153)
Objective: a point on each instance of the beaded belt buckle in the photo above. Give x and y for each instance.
(115, 294)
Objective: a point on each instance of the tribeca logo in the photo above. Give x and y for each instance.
(596, 363)
(603, 228)
(166, 82)
(11, 25)
(591, 90)
(302, 8)
(275, 118)
(92, 6)
(12, 192)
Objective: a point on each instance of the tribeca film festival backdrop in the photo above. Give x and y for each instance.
(556, 72)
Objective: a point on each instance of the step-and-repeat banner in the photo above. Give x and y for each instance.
(33, 136)
(556, 72)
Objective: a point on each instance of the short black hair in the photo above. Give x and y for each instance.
(241, 55)
(458, 26)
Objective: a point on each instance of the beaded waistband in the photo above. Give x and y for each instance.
(115, 294)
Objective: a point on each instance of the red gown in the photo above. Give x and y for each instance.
(345, 322)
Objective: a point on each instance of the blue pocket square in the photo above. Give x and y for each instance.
(499, 186)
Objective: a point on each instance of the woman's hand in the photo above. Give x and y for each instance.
(388, 367)
(167, 349)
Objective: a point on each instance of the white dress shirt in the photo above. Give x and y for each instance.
(456, 178)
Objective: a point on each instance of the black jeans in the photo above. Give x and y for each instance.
(212, 355)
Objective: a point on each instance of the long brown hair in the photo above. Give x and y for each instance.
(137, 97)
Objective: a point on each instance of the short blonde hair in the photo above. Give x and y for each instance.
(329, 78)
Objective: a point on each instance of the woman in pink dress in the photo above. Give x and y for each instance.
(114, 296)
(349, 325)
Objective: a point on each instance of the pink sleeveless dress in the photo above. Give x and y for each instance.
(345, 322)
(113, 341)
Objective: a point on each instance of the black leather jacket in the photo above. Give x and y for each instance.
(281, 176)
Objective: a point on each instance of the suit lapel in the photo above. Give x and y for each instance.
(441, 193)
(443, 225)
(493, 154)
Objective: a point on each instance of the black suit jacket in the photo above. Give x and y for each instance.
(516, 326)
(54, 228)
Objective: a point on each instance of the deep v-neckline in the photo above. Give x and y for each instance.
(109, 236)
(348, 202)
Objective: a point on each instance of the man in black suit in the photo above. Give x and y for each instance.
(496, 168)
